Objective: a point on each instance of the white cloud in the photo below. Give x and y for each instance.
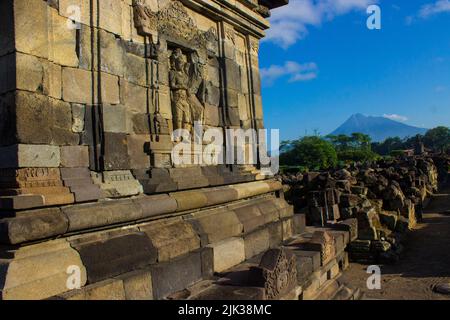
(290, 23)
(440, 89)
(295, 71)
(395, 117)
(430, 9)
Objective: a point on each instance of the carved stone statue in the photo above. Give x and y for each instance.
(187, 86)
(179, 85)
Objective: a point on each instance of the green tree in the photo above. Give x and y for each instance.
(438, 139)
(312, 152)
(387, 146)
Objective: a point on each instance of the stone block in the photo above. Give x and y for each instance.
(61, 124)
(62, 40)
(35, 123)
(38, 271)
(78, 87)
(141, 123)
(116, 151)
(116, 119)
(135, 69)
(52, 80)
(21, 202)
(321, 242)
(33, 225)
(109, 257)
(31, 27)
(138, 285)
(175, 275)
(299, 223)
(250, 217)
(74, 156)
(156, 205)
(171, 238)
(119, 183)
(188, 200)
(89, 216)
(134, 97)
(112, 53)
(277, 273)
(228, 253)
(25, 155)
(313, 256)
(217, 224)
(256, 242)
(138, 151)
(304, 267)
(275, 234)
(86, 193)
(232, 75)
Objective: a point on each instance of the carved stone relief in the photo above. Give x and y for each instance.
(279, 273)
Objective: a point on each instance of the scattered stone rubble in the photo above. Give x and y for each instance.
(386, 197)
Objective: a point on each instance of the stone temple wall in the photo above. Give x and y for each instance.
(100, 99)
(90, 93)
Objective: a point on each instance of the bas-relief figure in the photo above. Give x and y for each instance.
(190, 49)
(187, 89)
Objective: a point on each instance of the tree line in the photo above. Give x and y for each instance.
(324, 152)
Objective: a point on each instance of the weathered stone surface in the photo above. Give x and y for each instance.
(38, 271)
(189, 200)
(21, 202)
(33, 225)
(138, 285)
(322, 242)
(89, 216)
(217, 224)
(116, 119)
(78, 87)
(275, 234)
(156, 205)
(116, 184)
(23, 155)
(138, 151)
(256, 242)
(134, 97)
(175, 275)
(106, 258)
(228, 253)
(74, 156)
(116, 151)
(171, 238)
(111, 289)
(62, 40)
(31, 27)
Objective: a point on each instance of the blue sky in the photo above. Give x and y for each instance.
(320, 64)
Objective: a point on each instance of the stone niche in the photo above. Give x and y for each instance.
(90, 94)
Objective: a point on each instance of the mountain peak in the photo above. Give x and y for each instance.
(378, 128)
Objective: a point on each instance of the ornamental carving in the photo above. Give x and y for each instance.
(173, 22)
(278, 269)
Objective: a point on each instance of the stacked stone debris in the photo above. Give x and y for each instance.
(442, 162)
(386, 197)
